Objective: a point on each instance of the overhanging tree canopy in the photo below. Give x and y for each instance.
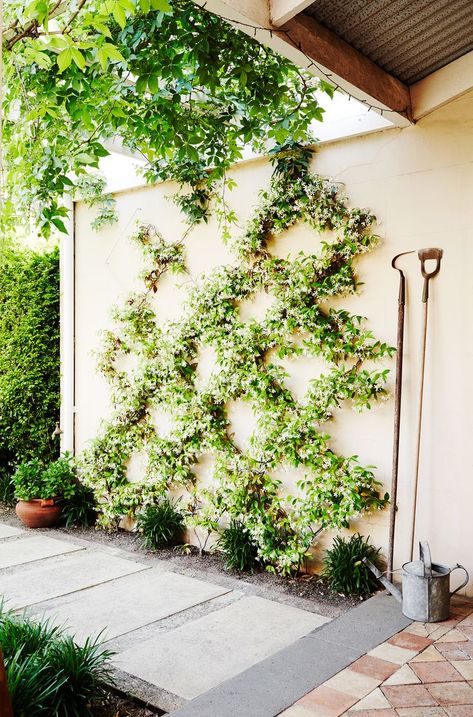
(177, 84)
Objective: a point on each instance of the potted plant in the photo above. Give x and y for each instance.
(40, 490)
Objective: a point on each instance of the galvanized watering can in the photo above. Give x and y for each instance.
(426, 592)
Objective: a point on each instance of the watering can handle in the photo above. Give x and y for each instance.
(424, 553)
(464, 582)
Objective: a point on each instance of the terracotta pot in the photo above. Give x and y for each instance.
(38, 513)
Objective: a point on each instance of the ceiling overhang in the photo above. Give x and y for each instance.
(291, 28)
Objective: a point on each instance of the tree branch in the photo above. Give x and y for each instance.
(74, 15)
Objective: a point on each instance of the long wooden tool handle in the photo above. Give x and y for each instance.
(397, 424)
(397, 408)
(430, 254)
(419, 427)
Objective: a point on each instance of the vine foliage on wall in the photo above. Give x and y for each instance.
(289, 433)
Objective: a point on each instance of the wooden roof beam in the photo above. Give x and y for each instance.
(347, 67)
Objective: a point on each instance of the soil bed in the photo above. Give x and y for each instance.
(119, 707)
(309, 587)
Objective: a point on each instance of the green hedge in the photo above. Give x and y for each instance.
(29, 357)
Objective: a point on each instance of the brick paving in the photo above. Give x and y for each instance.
(426, 670)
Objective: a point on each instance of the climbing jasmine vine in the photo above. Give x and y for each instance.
(289, 433)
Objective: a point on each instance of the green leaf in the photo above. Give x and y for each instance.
(56, 42)
(78, 58)
(85, 158)
(108, 52)
(64, 59)
(161, 5)
(119, 15)
(40, 58)
(101, 27)
(153, 84)
(128, 5)
(102, 57)
(113, 53)
(142, 84)
(327, 88)
(38, 9)
(59, 224)
(99, 150)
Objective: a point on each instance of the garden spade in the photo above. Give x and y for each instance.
(425, 255)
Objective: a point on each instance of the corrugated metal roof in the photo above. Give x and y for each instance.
(407, 38)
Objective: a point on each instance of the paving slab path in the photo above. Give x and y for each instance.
(127, 603)
(175, 635)
(196, 644)
(41, 580)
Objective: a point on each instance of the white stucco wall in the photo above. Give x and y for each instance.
(419, 183)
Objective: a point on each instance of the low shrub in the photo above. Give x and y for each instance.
(80, 509)
(238, 550)
(59, 478)
(27, 480)
(31, 480)
(161, 524)
(48, 674)
(344, 569)
(29, 356)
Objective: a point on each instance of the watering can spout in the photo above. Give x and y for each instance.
(395, 592)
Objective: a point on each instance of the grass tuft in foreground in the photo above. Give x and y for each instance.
(48, 674)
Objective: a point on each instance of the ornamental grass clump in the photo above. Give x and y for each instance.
(344, 569)
(80, 509)
(238, 549)
(161, 525)
(48, 674)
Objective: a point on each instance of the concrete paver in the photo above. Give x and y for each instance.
(36, 547)
(8, 531)
(128, 603)
(195, 657)
(39, 581)
(276, 683)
